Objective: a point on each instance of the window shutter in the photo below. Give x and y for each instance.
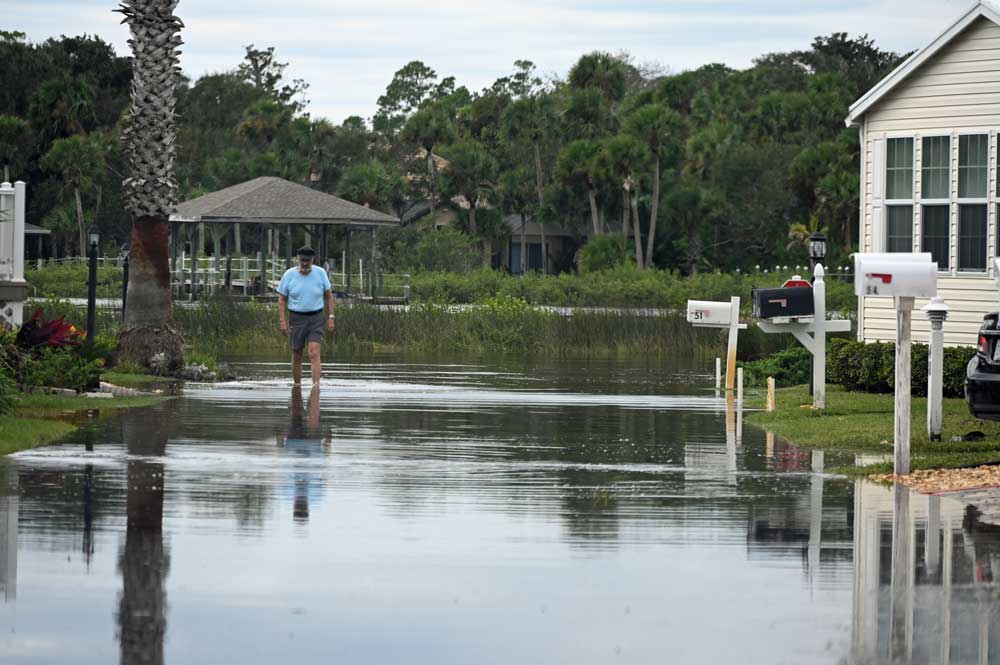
(878, 195)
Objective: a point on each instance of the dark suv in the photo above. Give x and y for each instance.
(982, 375)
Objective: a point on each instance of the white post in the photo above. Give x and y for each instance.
(361, 275)
(901, 447)
(718, 373)
(819, 338)
(19, 195)
(739, 385)
(936, 312)
(770, 394)
(734, 329)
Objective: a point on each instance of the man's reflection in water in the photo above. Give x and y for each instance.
(144, 560)
(303, 438)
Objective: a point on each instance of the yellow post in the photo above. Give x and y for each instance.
(770, 394)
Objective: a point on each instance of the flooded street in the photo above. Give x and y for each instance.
(563, 512)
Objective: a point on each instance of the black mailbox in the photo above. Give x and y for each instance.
(786, 301)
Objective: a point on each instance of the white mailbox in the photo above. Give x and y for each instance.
(710, 313)
(900, 274)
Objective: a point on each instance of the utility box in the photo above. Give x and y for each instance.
(912, 275)
(790, 302)
(709, 313)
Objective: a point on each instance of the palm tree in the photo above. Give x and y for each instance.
(429, 127)
(621, 159)
(655, 125)
(78, 159)
(15, 140)
(577, 166)
(150, 191)
(470, 175)
(516, 192)
(529, 120)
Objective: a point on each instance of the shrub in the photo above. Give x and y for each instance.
(604, 252)
(871, 368)
(59, 368)
(789, 367)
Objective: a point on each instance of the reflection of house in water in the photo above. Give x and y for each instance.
(8, 537)
(925, 590)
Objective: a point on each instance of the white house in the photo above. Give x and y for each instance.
(929, 181)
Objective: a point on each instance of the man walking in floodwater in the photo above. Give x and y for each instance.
(302, 292)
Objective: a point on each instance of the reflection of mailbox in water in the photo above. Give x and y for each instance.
(709, 313)
(903, 274)
(787, 301)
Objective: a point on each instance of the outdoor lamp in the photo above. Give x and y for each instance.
(817, 246)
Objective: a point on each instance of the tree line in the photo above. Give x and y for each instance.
(712, 168)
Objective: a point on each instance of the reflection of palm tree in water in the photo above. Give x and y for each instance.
(303, 437)
(144, 561)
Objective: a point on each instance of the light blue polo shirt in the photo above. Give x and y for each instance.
(304, 292)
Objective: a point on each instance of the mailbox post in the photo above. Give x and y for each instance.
(905, 277)
(809, 316)
(715, 314)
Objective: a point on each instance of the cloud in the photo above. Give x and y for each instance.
(349, 51)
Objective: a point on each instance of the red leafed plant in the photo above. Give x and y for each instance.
(36, 334)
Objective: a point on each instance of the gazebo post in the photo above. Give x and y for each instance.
(290, 250)
(262, 261)
(173, 252)
(347, 263)
(236, 238)
(324, 241)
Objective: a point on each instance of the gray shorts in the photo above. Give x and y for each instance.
(303, 328)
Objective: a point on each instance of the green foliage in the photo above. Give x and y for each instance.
(604, 253)
(789, 367)
(412, 250)
(624, 286)
(69, 280)
(862, 367)
(59, 368)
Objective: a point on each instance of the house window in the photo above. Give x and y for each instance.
(935, 160)
(972, 237)
(899, 194)
(899, 229)
(936, 233)
(899, 168)
(973, 158)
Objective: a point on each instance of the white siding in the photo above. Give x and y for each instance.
(957, 91)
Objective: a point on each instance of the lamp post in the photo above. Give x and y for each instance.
(936, 312)
(817, 252)
(92, 288)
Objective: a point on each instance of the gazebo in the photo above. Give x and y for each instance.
(274, 207)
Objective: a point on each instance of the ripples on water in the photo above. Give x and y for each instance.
(444, 513)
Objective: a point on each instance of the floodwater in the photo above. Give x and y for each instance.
(561, 512)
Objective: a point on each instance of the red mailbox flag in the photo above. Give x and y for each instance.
(796, 282)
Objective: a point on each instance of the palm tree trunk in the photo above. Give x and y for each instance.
(148, 336)
(635, 220)
(592, 196)
(654, 210)
(6, 173)
(433, 185)
(79, 221)
(694, 246)
(541, 203)
(524, 248)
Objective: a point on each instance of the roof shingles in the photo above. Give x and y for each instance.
(274, 200)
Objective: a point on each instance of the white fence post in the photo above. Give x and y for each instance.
(734, 328)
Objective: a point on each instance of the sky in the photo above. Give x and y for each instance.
(348, 51)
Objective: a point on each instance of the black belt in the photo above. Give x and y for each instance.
(315, 311)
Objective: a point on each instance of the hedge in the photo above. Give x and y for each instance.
(871, 368)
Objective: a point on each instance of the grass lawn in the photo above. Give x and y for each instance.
(863, 423)
(41, 419)
(136, 381)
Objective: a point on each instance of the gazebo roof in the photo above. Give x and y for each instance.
(270, 200)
